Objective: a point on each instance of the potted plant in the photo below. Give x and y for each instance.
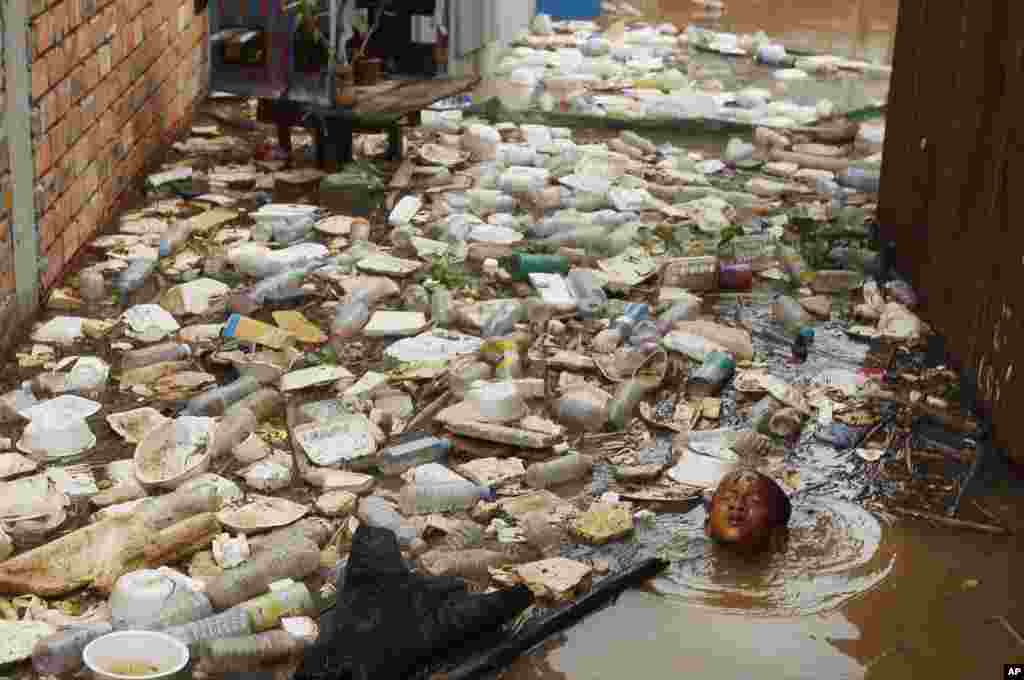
(313, 51)
(368, 71)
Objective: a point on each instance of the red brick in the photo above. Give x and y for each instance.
(54, 265)
(42, 30)
(41, 151)
(69, 243)
(49, 228)
(40, 79)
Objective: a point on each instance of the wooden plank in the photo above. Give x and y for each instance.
(411, 95)
(949, 199)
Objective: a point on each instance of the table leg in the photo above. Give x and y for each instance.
(395, 143)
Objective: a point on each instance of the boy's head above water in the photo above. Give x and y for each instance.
(746, 510)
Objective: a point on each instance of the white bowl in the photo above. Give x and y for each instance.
(110, 656)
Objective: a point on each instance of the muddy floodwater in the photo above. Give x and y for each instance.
(852, 594)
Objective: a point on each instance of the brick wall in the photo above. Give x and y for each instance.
(112, 81)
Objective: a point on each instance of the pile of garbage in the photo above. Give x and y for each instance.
(509, 346)
(635, 71)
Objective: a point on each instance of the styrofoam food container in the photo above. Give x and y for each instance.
(106, 655)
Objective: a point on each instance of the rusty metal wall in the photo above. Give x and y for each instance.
(952, 192)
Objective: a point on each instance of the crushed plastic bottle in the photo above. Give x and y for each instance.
(424, 499)
(135, 276)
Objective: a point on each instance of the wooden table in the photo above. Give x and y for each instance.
(388, 106)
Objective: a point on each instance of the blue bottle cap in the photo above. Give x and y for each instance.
(807, 334)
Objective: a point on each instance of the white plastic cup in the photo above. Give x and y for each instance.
(119, 656)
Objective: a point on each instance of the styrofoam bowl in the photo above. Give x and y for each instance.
(106, 656)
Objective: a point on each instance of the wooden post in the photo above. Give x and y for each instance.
(24, 237)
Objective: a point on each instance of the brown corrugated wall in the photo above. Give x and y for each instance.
(952, 192)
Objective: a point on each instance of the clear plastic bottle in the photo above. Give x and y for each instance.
(441, 306)
(91, 285)
(175, 238)
(61, 652)
(227, 624)
(147, 356)
(264, 402)
(621, 328)
(860, 179)
(151, 599)
(286, 598)
(135, 276)
(287, 232)
(294, 560)
(646, 335)
(216, 401)
(284, 284)
(350, 316)
(558, 471)
(471, 563)
(485, 202)
(418, 449)
(683, 310)
(251, 653)
(503, 319)
(377, 512)
(417, 499)
(589, 294)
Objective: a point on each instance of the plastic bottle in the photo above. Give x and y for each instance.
(228, 624)
(485, 202)
(558, 471)
(502, 319)
(590, 296)
(286, 598)
(349, 318)
(296, 560)
(147, 356)
(624, 403)
(774, 55)
(288, 283)
(264, 402)
(521, 265)
(135, 276)
(61, 652)
(584, 408)
(250, 653)
(683, 310)
(790, 315)
(417, 499)
(860, 179)
(150, 599)
(377, 512)
(708, 379)
(175, 238)
(471, 564)
(621, 328)
(91, 285)
(216, 401)
(419, 449)
(441, 306)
